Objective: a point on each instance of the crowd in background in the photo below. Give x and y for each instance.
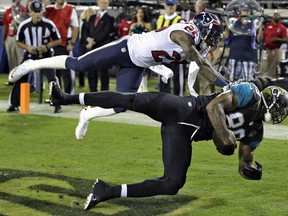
(240, 56)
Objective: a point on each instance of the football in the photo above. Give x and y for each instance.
(221, 147)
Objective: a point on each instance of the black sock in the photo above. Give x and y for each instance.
(105, 99)
(116, 191)
(71, 99)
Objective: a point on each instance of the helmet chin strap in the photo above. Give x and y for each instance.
(267, 115)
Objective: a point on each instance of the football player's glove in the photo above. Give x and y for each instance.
(253, 173)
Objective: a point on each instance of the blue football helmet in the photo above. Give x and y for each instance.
(210, 28)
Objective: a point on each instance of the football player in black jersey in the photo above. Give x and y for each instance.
(235, 114)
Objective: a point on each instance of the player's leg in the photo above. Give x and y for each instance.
(128, 80)
(56, 62)
(106, 55)
(50, 74)
(162, 107)
(128, 77)
(176, 155)
(177, 151)
(105, 99)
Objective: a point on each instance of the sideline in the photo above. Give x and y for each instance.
(130, 117)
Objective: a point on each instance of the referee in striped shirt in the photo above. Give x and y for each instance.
(36, 36)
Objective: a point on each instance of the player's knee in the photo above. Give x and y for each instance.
(119, 109)
(73, 64)
(173, 186)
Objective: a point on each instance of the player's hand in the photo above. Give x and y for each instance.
(253, 173)
(225, 142)
(226, 137)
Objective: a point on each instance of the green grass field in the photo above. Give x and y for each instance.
(45, 171)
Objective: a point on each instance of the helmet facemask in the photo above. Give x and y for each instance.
(275, 102)
(212, 39)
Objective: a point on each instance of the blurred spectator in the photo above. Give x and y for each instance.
(171, 17)
(65, 18)
(201, 82)
(141, 25)
(12, 17)
(183, 68)
(46, 3)
(243, 47)
(185, 12)
(100, 26)
(84, 18)
(37, 36)
(123, 27)
(199, 7)
(271, 36)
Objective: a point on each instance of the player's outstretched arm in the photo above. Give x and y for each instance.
(246, 168)
(227, 101)
(185, 41)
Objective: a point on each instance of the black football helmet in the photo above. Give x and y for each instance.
(210, 28)
(275, 101)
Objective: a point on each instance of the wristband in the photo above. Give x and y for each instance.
(221, 82)
(72, 43)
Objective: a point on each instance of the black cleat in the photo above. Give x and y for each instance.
(57, 109)
(57, 96)
(12, 108)
(101, 192)
(9, 83)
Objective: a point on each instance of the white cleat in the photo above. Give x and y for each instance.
(21, 70)
(82, 126)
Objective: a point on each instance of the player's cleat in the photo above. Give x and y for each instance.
(57, 96)
(83, 122)
(12, 108)
(57, 109)
(101, 192)
(21, 70)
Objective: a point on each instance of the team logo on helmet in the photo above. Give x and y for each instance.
(207, 18)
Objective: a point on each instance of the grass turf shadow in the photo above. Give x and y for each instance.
(133, 206)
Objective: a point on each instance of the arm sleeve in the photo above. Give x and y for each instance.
(74, 19)
(247, 93)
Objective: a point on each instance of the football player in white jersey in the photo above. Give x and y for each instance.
(179, 43)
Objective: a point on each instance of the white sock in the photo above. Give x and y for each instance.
(124, 190)
(55, 62)
(96, 112)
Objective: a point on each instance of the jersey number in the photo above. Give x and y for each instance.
(234, 122)
(192, 30)
(159, 54)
